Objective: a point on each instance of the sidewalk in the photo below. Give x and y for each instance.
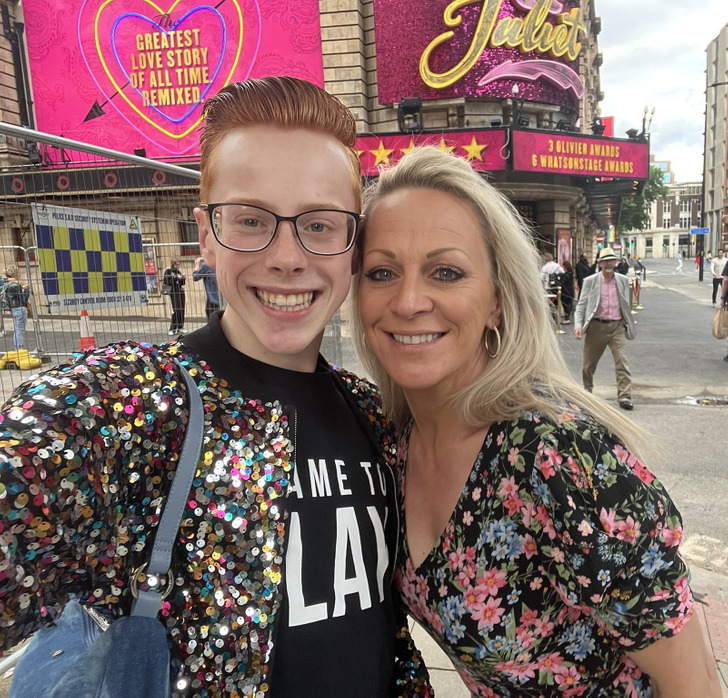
(711, 595)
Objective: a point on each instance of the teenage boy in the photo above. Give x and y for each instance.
(282, 568)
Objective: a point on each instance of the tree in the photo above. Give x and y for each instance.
(635, 213)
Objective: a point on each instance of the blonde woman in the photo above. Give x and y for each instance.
(16, 294)
(536, 547)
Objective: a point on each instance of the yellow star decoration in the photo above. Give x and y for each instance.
(411, 146)
(474, 150)
(359, 153)
(444, 146)
(381, 154)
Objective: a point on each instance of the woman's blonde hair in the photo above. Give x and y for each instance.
(12, 271)
(529, 373)
(275, 101)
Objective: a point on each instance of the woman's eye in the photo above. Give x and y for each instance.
(448, 274)
(379, 274)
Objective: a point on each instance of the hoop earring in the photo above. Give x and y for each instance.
(498, 340)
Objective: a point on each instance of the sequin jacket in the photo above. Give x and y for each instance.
(87, 453)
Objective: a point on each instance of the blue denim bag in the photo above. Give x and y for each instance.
(81, 655)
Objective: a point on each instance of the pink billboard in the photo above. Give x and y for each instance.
(484, 150)
(127, 74)
(580, 155)
(443, 49)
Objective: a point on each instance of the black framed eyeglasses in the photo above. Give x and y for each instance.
(248, 228)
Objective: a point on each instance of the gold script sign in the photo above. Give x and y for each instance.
(529, 33)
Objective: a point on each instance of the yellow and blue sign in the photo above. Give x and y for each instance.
(89, 259)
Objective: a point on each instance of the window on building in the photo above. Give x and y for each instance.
(666, 223)
(648, 242)
(685, 206)
(666, 207)
(665, 240)
(188, 233)
(684, 221)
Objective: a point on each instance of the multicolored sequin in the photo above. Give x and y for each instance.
(87, 452)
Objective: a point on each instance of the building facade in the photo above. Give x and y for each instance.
(671, 219)
(715, 155)
(521, 102)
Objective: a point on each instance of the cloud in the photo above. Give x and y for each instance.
(654, 55)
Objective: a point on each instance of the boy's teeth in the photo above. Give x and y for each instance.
(417, 338)
(278, 301)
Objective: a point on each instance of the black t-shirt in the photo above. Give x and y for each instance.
(335, 630)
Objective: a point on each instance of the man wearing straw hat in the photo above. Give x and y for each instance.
(603, 317)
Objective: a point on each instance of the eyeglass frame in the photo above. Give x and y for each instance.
(358, 218)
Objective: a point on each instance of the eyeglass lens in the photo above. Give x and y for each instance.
(249, 228)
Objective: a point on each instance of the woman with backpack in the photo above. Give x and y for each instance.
(16, 294)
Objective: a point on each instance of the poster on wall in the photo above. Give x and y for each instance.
(132, 74)
(89, 259)
(563, 246)
(524, 49)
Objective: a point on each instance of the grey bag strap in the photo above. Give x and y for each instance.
(149, 602)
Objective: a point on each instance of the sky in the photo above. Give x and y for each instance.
(654, 56)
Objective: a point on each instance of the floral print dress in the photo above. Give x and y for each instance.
(560, 556)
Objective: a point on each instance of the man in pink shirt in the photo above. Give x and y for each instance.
(603, 317)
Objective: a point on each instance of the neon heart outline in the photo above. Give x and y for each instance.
(124, 116)
(174, 27)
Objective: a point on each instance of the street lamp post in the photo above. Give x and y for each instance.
(705, 160)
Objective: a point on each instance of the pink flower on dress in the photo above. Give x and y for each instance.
(566, 677)
(476, 494)
(536, 583)
(558, 554)
(684, 595)
(643, 472)
(529, 546)
(660, 595)
(543, 626)
(456, 559)
(513, 455)
(488, 614)
(516, 670)
(672, 536)
(467, 518)
(585, 528)
(550, 662)
(491, 581)
(528, 512)
(507, 487)
(606, 518)
(627, 530)
(513, 504)
(529, 617)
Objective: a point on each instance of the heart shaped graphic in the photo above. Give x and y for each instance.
(156, 66)
(174, 28)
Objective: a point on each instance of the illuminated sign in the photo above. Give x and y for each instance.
(580, 155)
(479, 48)
(129, 74)
(485, 150)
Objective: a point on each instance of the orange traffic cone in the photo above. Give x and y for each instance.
(87, 337)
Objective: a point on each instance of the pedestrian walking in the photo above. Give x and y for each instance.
(679, 267)
(583, 269)
(717, 265)
(212, 293)
(603, 318)
(173, 284)
(623, 266)
(282, 565)
(16, 294)
(567, 292)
